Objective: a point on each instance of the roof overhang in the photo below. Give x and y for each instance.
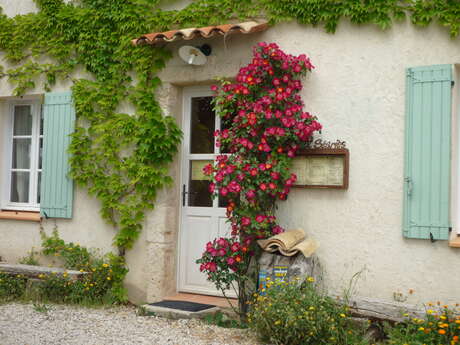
(205, 32)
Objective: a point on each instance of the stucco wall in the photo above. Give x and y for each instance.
(357, 90)
(151, 261)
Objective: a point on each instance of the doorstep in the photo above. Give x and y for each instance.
(205, 299)
(214, 305)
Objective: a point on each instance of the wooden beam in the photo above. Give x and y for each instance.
(20, 215)
(31, 271)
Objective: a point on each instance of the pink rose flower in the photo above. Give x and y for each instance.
(222, 242)
(235, 247)
(212, 267)
(245, 221)
(260, 218)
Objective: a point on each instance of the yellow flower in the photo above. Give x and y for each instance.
(457, 322)
(277, 322)
(81, 270)
(105, 265)
(65, 274)
(421, 329)
(405, 314)
(94, 270)
(429, 311)
(311, 308)
(443, 317)
(108, 278)
(311, 279)
(342, 315)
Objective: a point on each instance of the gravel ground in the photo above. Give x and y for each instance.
(22, 324)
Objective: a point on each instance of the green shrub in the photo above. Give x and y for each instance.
(289, 314)
(11, 287)
(440, 325)
(30, 259)
(103, 283)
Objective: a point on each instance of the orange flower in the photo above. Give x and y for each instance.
(442, 331)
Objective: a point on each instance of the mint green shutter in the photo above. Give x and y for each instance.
(428, 152)
(56, 194)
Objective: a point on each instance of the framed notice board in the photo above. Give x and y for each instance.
(322, 168)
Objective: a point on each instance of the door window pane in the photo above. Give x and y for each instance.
(198, 193)
(223, 201)
(22, 120)
(225, 124)
(21, 153)
(203, 122)
(20, 186)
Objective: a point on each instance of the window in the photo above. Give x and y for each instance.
(24, 135)
(34, 162)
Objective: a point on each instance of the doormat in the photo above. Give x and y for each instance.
(183, 305)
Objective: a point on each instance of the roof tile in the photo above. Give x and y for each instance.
(206, 32)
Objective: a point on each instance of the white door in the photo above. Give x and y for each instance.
(202, 218)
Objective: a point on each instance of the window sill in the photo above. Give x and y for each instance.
(454, 241)
(21, 215)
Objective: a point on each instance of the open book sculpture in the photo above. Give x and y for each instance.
(289, 243)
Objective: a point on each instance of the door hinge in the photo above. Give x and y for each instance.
(452, 83)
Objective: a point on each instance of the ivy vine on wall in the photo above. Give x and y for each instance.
(123, 159)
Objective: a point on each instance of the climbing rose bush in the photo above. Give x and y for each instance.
(263, 127)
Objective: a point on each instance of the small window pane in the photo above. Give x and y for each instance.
(41, 120)
(40, 154)
(21, 153)
(20, 186)
(199, 194)
(22, 120)
(203, 125)
(39, 186)
(225, 124)
(223, 201)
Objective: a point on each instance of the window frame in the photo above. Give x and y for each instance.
(34, 170)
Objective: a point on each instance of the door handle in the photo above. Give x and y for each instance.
(183, 194)
(410, 186)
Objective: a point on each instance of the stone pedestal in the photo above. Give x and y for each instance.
(298, 266)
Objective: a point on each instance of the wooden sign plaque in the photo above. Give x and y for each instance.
(322, 168)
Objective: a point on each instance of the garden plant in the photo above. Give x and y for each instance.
(102, 282)
(264, 126)
(286, 313)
